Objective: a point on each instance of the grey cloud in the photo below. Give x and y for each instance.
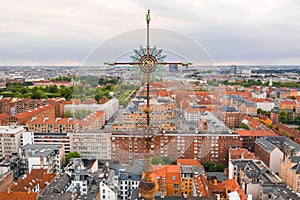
(56, 31)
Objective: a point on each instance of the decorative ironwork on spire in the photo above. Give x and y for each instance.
(148, 59)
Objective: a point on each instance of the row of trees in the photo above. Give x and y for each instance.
(26, 90)
(78, 114)
(287, 118)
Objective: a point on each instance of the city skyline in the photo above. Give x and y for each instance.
(232, 32)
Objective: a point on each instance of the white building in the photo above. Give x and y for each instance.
(48, 139)
(40, 156)
(79, 173)
(258, 94)
(92, 145)
(110, 108)
(109, 187)
(265, 105)
(10, 137)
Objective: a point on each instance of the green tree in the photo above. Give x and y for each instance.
(282, 116)
(293, 97)
(297, 119)
(157, 160)
(220, 167)
(53, 89)
(207, 166)
(38, 94)
(66, 93)
(80, 114)
(244, 126)
(68, 114)
(70, 155)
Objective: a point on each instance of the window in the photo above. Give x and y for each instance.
(174, 178)
(175, 192)
(176, 186)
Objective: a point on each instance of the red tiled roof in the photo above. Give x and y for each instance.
(37, 176)
(241, 153)
(52, 120)
(18, 195)
(229, 185)
(201, 186)
(190, 162)
(290, 102)
(33, 112)
(4, 116)
(255, 133)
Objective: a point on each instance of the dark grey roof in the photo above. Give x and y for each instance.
(266, 145)
(297, 168)
(37, 150)
(220, 176)
(57, 196)
(135, 196)
(228, 109)
(284, 144)
(294, 159)
(279, 192)
(256, 170)
(58, 184)
(275, 110)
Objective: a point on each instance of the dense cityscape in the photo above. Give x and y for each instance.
(230, 133)
(202, 103)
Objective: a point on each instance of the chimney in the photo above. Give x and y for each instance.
(8, 191)
(29, 191)
(42, 161)
(215, 182)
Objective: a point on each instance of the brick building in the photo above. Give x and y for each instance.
(204, 146)
(51, 125)
(271, 150)
(290, 172)
(46, 111)
(248, 137)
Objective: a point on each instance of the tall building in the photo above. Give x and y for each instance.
(204, 146)
(233, 69)
(48, 139)
(10, 140)
(92, 144)
(290, 172)
(271, 150)
(37, 156)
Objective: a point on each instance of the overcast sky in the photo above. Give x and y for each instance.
(63, 32)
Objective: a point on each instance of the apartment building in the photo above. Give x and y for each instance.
(92, 144)
(290, 172)
(110, 108)
(51, 125)
(46, 111)
(93, 121)
(10, 140)
(251, 174)
(249, 136)
(204, 146)
(64, 139)
(271, 150)
(37, 156)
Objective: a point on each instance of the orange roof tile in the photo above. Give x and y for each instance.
(190, 162)
(201, 186)
(37, 176)
(241, 153)
(18, 195)
(4, 116)
(52, 120)
(33, 112)
(227, 185)
(255, 133)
